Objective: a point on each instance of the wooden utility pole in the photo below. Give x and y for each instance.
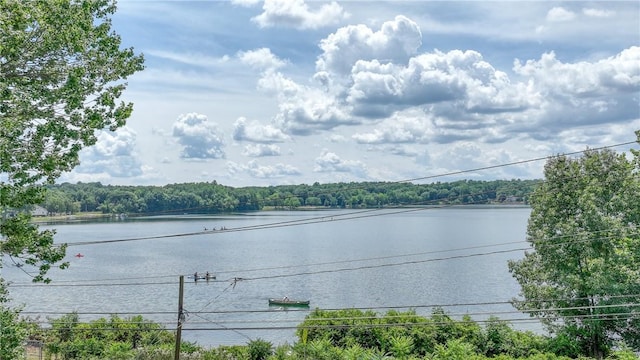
(180, 319)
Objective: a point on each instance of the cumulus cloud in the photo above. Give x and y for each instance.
(582, 93)
(379, 90)
(368, 76)
(618, 73)
(331, 162)
(297, 14)
(256, 132)
(560, 14)
(259, 150)
(402, 128)
(261, 59)
(310, 111)
(113, 154)
(396, 41)
(200, 139)
(372, 89)
(303, 110)
(256, 170)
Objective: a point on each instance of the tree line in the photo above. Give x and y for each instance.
(211, 197)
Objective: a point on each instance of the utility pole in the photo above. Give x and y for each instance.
(180, 318)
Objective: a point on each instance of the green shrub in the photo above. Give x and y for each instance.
(259, 349)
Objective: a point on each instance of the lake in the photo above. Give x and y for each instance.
(368, 259)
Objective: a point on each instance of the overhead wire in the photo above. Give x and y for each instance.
(373, 324)
(372, 308)
(99, 282)
(362, 308)
(349, 217)
(336, 216)
(428, 177)
(349, 323)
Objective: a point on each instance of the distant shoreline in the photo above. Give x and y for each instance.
(85, 216)
(70, 217)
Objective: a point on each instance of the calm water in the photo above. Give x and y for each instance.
(337, 259)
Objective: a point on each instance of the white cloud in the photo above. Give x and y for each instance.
(274, 82)
(200, 139)
(464, 78)
(113, 154)
(331, 162)
(261, 59)
(255, 132)
(599, 13)
(256, 170)
(402, 128)
(560, 14)
(336, 138)
(395, 42)
(376, 90)
(297, 14)
(246, 3)
(584, 79)
(459, 95)
(303, 110)
(195, 59)
(259, 150)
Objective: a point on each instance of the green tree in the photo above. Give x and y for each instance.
(12, 329)
(61, 72)
(582, 277)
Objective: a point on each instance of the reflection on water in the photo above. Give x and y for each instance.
(336, 259)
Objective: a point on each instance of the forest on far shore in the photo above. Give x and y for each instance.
(211, 197)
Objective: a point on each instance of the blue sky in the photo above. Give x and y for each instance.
(291, 91)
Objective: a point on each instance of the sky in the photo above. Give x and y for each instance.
(274, 92)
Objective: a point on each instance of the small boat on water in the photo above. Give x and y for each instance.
(207, 277)
(288, 302)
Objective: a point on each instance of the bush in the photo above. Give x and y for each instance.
(259, 349)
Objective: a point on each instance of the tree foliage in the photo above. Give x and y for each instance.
(583, 276)
(61, 72)
(12, 329)
(405, 334)
(216, 198)
(61, 75)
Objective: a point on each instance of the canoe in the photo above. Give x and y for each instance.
(288, 302)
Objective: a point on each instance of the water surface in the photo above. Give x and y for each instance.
(336, 259)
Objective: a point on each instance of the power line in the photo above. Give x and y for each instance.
(601, 317)
(52, 285)
(99, 282)
(362, 308)
(359, 186)
(516, 162)
(236, 279)
(375, 320)
(337, 216)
